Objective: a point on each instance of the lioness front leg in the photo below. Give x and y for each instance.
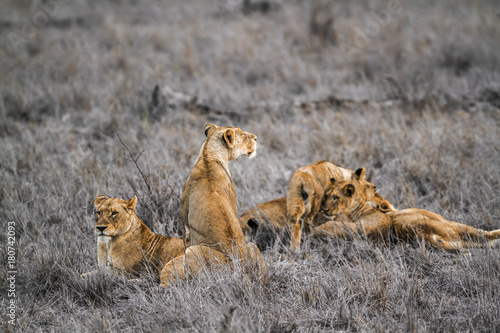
(196, 259)
(102, 256)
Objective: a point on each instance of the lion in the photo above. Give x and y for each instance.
(306, 190)
(272, 213)
(125, 245)
(346, 202)
(212, 233)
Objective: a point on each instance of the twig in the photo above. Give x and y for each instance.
(144, 177)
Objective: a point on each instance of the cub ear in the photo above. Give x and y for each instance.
(359, 174)
(228, 137)
(131, 203)
(99, 200)
(208, 127)
(348, 190)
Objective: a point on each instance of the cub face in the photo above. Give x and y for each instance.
(237, 142)
(335, 200)
(113, 215)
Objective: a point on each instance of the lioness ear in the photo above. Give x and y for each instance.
(228, 137)
(208, 127)
(348, 190)
(131, 203)
(99, 200)
(384, 207)
(359, 174)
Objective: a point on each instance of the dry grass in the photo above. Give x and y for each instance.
(417, 104)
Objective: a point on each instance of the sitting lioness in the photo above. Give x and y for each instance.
(306, 190)
(347, 204)
(126, 245)
(212, 233)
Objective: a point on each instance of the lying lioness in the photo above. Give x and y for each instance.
(302, 204)
(126, 245)
(306, 190)
(346, 202)
(212, 233)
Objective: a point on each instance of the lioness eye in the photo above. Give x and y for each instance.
(114, 214)
(98, 214)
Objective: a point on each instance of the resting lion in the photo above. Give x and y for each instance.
(272, 213)
(126, 245)
(212, 233)
(306, 190)
(352, 215)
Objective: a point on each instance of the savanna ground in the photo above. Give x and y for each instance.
(408, 89)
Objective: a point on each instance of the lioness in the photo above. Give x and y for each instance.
(346, 202)
(212, 233)
(306, 190)
(272, 213)
(125, 244)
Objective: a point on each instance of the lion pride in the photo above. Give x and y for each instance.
(212, 234)
(346, 202)
(306, 190)
(127, 246)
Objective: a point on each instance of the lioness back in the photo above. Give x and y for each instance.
(272, 213)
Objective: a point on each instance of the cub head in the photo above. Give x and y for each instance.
(370, 194)
(335, 200)
(236, 141)
(113, 216)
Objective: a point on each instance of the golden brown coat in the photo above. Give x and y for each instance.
(125, 245)
(352, 215)
(306, 190)
(213, 235)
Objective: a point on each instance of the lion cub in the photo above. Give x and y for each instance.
(306, 190)
(351, 214)
(212, 232)
(125, 245)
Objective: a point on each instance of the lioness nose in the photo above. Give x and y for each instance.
(101, 229)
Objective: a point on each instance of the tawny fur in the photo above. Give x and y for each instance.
(306, 190)
(352, 215)
(127, 246)
(213, 235)
(272, 213)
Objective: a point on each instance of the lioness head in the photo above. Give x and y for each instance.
(113, 216)
(236, 141)
(370, 193)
